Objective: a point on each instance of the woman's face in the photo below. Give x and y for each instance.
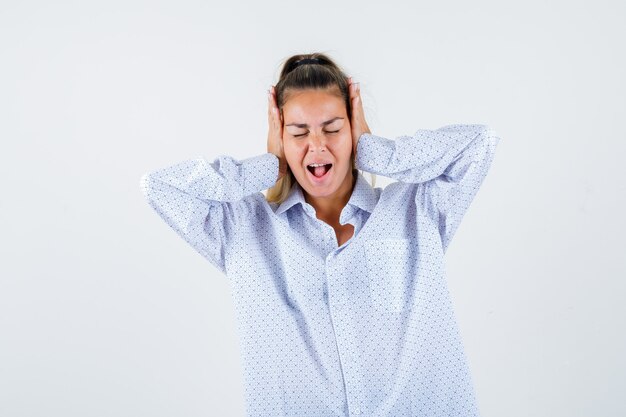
(316, 129)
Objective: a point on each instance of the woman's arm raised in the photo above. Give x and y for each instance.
(450, 162)
(197, 198)
(428, 153)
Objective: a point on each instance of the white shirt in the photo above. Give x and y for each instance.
(363, 329)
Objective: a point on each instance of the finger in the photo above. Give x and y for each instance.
(275, 104)
(272, 108)
(354, 97)
(354, 89)
(270, 94)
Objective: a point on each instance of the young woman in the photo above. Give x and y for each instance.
(339, 287)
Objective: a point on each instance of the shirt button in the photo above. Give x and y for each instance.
(357, 411)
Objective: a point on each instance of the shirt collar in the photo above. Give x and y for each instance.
(363, 196)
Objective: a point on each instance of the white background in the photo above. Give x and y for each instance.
(104, 311)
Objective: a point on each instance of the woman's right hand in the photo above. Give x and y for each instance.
(358, 123)
(275, 132)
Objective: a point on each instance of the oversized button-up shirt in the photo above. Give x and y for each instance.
(362, 329)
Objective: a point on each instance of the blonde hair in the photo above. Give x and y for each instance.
(323, 75)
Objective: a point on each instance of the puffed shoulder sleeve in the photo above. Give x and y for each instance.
(198, 198)
(449, 163)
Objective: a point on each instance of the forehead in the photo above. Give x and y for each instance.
(312, 105)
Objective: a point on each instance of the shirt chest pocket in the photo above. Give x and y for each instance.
(388, 268)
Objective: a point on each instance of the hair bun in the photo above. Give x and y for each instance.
(305, 61)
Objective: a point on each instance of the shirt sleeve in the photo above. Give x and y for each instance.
(450, 163)
(197, 198)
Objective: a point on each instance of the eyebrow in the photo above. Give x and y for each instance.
(327, 122)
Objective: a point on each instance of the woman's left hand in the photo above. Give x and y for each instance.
(358, 123)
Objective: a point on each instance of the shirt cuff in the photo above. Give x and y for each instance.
(373, 153)
(260, 172)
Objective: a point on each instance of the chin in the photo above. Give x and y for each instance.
(316, 192)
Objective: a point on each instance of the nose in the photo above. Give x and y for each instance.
(317, 142)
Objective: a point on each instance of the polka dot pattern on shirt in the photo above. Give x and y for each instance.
(362, 329)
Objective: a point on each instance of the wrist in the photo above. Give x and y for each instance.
(356, 143)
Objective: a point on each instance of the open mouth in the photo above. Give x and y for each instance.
(319, 171)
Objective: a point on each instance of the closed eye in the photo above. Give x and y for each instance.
(304, 134)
